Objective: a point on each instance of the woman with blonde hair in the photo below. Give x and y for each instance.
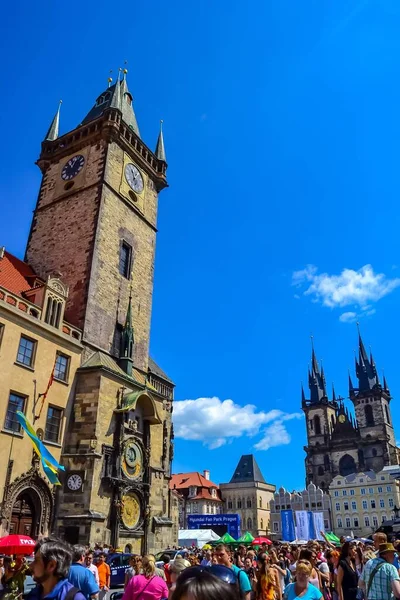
(147, 585)
(302, 588)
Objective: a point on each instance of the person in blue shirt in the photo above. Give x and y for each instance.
(50, 570)
(302, 588)
(223, 558)
(80, 576)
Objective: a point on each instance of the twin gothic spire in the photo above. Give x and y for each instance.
(366, 373)
(116, 96)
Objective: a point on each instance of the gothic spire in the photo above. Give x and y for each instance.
(316, 379)
(303, 396)
(385, 385)
(116, 94)
(333, 393)
(128, 114)
(127, 340)
(160, 149)
(52, 133)
(365, 368)
(351, 386)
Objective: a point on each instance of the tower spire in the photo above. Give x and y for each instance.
(333, 393)
(160, 149)
(366, 371)
(316, 379)
(52, 133)
(127, 340)
(116, 96)
(351, 386)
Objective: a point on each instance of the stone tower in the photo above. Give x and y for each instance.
(338, 443)
(95, 223)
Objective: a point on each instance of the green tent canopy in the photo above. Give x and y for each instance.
(246, 538)
(331, 537)
(226, 539)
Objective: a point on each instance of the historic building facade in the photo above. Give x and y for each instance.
(197, 495)
(362, 502)
(35, 342)
(249, 495)
(312, 499)
(337, 442)
(94, 227)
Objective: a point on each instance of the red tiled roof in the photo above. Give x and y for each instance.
(15, 275)
(181, 481)
(206, 494)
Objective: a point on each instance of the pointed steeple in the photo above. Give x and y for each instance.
(160, 149)
(316, 379)
(128, 114)
(52, 133)
(351, 386)
(365, 368)
(127, 341)
(303, 396)
(385, 385)
(333, 394)
(116, 94)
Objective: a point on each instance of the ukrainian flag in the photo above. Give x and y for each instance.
(49, 463)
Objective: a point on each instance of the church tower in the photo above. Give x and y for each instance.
(96, 220)
(95, 223)
(371, 402)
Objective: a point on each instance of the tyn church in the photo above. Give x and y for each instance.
(338, 443)
(82, 302)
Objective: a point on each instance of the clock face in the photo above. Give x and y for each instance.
(342, 419)
(132, 460)
(130, 512)
(134, 178)
(74, 482)
(73, 167)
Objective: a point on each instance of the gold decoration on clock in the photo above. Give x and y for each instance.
(130, 512)
(132, 460)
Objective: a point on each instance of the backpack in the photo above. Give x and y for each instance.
(70, 595)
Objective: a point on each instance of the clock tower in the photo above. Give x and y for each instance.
(95, 223)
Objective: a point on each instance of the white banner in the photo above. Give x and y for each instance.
(302, 530)
(319, 525)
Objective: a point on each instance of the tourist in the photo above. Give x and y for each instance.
(80, 576)
(135, 568)
(380, 578)
(92, 568)
(206, 562)
(104, 575)
(50, 569)
(268, 585)
(175, 570)
(379, 538)
(302, 587)
(223, 558)
(347, 578)
(309, 556)
(207, 583)
(147, 585)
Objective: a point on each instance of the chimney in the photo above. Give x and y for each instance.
(2, 250)
(206, 474)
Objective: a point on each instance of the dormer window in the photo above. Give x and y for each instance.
(55, 296)
(192, 491)
(53, 311)
(213, 492)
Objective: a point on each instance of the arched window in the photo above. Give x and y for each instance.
(387, 414)
(260, 502)
(262, 523)
(317, 425)
(327, 464)
(333, 421)
(369, 415)
(248, 502)
(320, 470)
(347, 465)
(249, 524)
(239, 503)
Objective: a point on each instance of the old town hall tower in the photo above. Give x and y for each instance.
(338, 443)
(95, 226)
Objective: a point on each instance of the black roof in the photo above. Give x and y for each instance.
(247, 470)
(156, 370)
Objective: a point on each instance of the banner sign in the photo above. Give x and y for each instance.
(302, 529)
(287, 523)
(319, 525)
(232, 523)
(311, 528)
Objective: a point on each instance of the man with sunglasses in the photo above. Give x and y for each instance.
(223, 558)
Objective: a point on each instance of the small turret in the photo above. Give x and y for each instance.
(53, 131)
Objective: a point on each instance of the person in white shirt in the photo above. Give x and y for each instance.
(91, 566)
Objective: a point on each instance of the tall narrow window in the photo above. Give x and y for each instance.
(15, 403)
(26, 351)
(1, 332)
(61, 367)
(386, 408)
(53, 312)
(317, 425)
(369, 415)
(53, 424)
(125, 259)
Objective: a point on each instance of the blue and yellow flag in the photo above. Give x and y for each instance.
(49, 463)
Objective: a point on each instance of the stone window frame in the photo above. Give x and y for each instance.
(24, 398)
(34, 342)
(67, 370)
(127, 271)
(60, 424)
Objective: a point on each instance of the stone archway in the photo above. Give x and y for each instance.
(28, 506)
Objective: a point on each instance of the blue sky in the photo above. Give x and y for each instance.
(282, 133)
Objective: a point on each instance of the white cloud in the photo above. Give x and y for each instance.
(216, 422)
(357, 288)
(348, 317)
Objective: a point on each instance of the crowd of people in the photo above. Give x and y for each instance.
(355, 570)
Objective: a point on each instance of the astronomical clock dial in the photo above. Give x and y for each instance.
(74, 482)
(132, 460)
(134, 178)
(130, 511)
(73, 167)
